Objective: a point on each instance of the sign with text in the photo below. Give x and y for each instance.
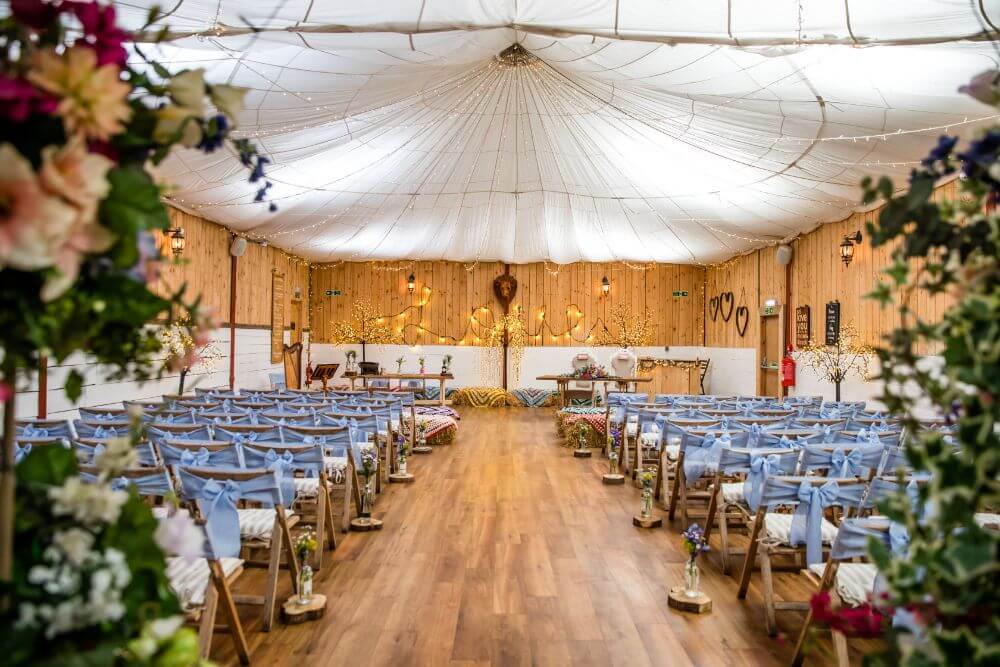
(832, 322)
(802, 327)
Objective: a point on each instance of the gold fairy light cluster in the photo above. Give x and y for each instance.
(364, 326)
(178, 343)
(627, 329)
(836, 362)
(515, 56)
(509, 328)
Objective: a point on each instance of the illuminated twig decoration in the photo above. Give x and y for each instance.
(365, 326)
(836, 362)
(626, 329)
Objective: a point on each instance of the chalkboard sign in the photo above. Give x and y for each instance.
(832, 322)
(802, 327)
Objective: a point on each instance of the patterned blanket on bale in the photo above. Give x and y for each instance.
(480, 397)
(531, 397)
(567, 421)
(439, 410)
(441, 430)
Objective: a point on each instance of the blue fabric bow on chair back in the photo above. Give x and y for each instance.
(196, 459)
(283, 466)
(701, 453)
(30, 431)
(21, 452)
(807, 521)
(761, 467)
(846, 464)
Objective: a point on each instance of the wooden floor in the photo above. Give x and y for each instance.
(508, 551)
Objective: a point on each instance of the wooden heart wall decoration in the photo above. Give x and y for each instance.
(726, 300)
(713, 307)
(742, 313)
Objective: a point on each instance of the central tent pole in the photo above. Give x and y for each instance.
(506, 339)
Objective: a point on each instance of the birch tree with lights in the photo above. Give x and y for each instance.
(627, 329)
(835, 363)
(365, 326)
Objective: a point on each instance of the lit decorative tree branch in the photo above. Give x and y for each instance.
(630, 330)
(511, 326)
(835, 363)
(186, 351)
(365, 326)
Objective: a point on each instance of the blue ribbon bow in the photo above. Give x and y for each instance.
(20, 452)
(807, 522)
(699, 460)
(846, 464)
(120, 484)
(222, 520)
(760, 468)
(197, 459)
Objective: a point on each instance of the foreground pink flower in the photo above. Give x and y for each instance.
(5, 392)
(79, 178)
(92, 100)
(30, 219)
(19, 100)
(100, 32)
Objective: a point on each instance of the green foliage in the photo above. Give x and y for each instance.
(951, 576)
(147, 596)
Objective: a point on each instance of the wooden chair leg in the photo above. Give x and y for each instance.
(685, 521)
(206, 626)
(658, 482)
(751, 555)
(229, 606)
(724, 540)
(271, 586)
(767, 583)
(350, 490)
(713, 506)
(286, 536)
(321, 504)
(331, 528)
(840, 648)
(675, 488)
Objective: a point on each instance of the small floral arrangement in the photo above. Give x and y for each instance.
(306, 545)
(646, 478)
(421, 361)
(589, 372)
(581, 433)
(399, 365)
(694, 541)
(369, 461)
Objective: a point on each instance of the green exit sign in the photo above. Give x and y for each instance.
(333, 292)
(678, 292)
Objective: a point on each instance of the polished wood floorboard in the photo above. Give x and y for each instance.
(509, 551)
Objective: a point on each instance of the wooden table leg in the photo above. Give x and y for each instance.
(441, 397)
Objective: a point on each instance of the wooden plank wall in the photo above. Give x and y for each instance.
(817, 276)
(206, 270)
(454, 296)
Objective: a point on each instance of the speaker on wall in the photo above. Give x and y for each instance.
(238, 247)
(784, 254)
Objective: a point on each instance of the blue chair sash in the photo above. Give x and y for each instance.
(807, 521)
(761, 466)
(21, 452)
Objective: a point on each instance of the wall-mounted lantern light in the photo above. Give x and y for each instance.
(411, 283)
(847, 247)
(177, 241)
(605, 285)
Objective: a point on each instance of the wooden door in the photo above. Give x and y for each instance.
(770, 351)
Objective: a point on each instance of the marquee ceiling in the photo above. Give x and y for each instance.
(641, 130)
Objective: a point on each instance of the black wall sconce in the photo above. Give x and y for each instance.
(177, 241)
(411, 283)
(605, 285)
(847, 247)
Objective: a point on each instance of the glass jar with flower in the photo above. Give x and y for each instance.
(305, 546)
(694, 544)
(402, 449)
(646, 478)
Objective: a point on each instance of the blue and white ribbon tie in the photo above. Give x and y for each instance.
(705, 457)
(222, 520)
(760, 468)
(846, 464)
(197, 459)
(807, 522)
(20, 452)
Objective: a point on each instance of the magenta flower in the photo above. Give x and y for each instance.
(19, 100)
(100, 32)
(35, 14)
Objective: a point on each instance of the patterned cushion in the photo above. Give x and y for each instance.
(650, 438)
(189, 578)
(855, 581)
(258, 523)
(779, 528)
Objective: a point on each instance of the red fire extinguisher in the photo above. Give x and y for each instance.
(788, 369)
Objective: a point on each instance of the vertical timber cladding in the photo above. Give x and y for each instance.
(277, 315)
(455, 293)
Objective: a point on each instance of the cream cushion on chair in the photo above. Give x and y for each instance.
(258, 523)
(732, 493)
(307, 487)
(336, 468)
(189, 577)
(855, 581)
(778, 527)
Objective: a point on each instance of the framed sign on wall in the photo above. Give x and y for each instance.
(277, 316)
(802, 328)
(832, 322)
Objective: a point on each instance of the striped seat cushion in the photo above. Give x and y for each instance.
(257, 523)
(855, 581)
(189, 578)
(631, 429)
(778, 527)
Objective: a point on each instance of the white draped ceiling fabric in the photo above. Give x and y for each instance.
(639, 130)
